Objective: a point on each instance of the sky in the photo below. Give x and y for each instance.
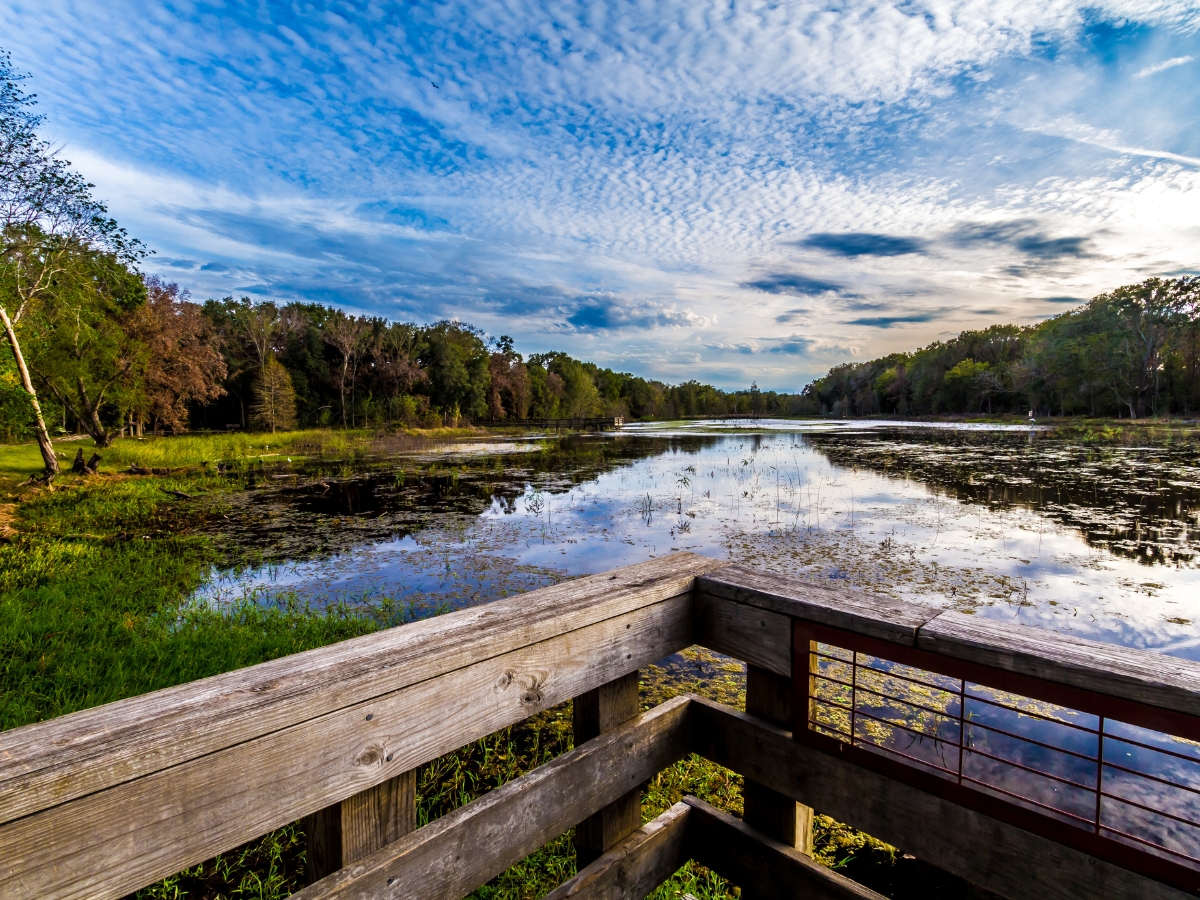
(682, 189)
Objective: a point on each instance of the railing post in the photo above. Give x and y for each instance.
(346, 832)
(595, 712)
(769, 697)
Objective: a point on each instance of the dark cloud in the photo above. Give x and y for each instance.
(1023, 235)
(214, 267)
(889, 321)
(1062, 299)
(792, 283)
(605, 315)
(861, 243)
(795, 346)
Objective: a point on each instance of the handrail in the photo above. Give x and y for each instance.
(105, 801)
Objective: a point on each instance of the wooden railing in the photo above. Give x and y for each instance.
(880, 729)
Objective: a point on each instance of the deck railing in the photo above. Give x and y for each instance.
(1031, 764)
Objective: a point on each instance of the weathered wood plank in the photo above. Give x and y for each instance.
(837, 607)
(1141, 676)
(52, 762)
(449, 858)
(358, 826)
(769, 697)
(750, 633)
(991, 854)
(635, 866)
(760, 866)
(110, 843)
(599, 710)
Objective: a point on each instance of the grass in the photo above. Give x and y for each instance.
(19, 461)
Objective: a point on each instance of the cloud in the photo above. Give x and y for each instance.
(1073, 300)
(793, 283)
(594, 314)
(863, 244)
(1163, 66)
(795, 346)
(906, 319)
(1022, 235)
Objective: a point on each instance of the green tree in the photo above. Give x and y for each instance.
(274, 406)
(456, 361)
(47, 216)
(82, 348)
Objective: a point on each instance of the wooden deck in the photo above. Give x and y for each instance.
(100, 803)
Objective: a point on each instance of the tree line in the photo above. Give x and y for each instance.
(1132, 352)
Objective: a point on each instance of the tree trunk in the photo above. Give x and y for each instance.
(49, 460)
(92, 423)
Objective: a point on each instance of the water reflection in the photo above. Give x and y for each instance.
(1018, 524)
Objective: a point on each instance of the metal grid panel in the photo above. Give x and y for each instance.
(964, 732)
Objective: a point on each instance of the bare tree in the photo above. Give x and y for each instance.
(47, 213)
(348, 335)
(260, 324)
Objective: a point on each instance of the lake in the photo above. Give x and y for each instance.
(1094, 537)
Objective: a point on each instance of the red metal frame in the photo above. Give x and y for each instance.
(1085, 834)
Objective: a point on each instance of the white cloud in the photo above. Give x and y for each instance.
(1163, 66)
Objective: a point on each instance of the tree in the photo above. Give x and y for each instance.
(274, 398)
(456, 360)
(348, 335)
(184, 364)
(81, 348)
(47, 214)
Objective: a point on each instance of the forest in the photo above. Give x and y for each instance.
(1130, 353)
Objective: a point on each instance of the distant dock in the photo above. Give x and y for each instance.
(602, 423)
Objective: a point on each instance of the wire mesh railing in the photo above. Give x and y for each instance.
(1047, 757)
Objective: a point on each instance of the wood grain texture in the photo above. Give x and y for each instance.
(769, 697)
(745, 632)
(599, 710)
(1141, 676)
(837, 607)
(637, 865)
(113, 842)
(994, 855)
(52, 762)
(452, 856)
(762, 867)
(358, 826)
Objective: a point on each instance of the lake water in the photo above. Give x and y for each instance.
(1101, 540)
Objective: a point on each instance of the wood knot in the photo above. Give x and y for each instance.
(369, 756)
(530, 685)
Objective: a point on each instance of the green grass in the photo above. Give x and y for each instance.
(193, 451)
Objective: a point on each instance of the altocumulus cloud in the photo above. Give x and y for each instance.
(596, 178)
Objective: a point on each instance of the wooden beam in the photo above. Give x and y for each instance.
(599, 710)
(116, 841)
(769, 697)
(49, 763)
(464, 849)
(837, 607)
(760, 866)
(637, 865)
(994, 855)
(749, 633)
(1139, 676)
(358, 826)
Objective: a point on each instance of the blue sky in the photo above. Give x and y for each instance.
(724, 191)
